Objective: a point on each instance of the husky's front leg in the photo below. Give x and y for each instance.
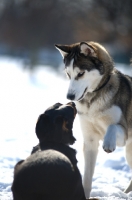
(115, 135)
(90, 155)
(90, 149)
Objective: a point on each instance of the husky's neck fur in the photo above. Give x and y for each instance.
(99, 88)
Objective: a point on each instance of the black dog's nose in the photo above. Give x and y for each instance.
(71, 96)
(73, 104)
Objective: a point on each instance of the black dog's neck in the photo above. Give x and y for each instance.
(60, 147)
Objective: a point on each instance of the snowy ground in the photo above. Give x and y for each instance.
(24, 95)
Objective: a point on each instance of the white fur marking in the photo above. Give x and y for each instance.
(115, 135)
(89, 80)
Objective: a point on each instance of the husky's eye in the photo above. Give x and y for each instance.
(80, 74)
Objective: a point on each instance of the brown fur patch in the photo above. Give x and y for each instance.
(64, 126)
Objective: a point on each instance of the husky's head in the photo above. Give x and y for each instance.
(85, 65)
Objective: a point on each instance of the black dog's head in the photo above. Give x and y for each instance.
(56, 124)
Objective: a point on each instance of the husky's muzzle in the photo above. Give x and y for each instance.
(72, 96)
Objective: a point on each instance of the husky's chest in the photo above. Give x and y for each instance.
(88, 111)
(99, 115)
(92, 108)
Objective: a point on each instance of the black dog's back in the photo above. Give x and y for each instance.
(58, 176)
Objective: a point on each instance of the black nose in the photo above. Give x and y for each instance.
(73, 104)
(71, 96)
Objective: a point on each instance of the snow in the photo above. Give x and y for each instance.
(25, 95)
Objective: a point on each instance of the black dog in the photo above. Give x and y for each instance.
(51, 172)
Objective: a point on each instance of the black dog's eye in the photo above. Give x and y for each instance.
(80, 74)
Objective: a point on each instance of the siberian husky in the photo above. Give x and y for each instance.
(103, 98)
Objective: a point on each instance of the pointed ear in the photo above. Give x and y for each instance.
(63, 49)
(42, 126)
(87, 50)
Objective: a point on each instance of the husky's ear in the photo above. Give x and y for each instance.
(87, 50)
(63, 49)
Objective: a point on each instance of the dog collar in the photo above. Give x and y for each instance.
(107, 80)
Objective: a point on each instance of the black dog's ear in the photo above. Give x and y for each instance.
(42, 126)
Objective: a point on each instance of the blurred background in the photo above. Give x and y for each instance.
(31, 71)
(29, 28)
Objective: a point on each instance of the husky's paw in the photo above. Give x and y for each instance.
(109, 146)
(109, 143)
